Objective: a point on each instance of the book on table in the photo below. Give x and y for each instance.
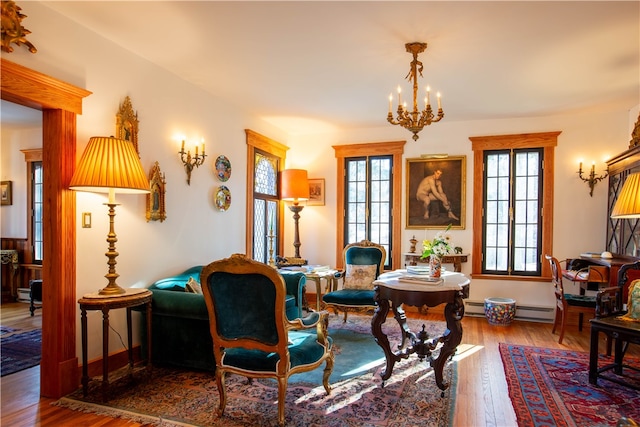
(423, 280)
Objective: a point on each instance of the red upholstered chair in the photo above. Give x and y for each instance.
(565, 302)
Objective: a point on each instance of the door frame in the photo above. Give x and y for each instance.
(59, 102)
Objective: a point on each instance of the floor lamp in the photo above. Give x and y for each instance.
(110, 165)
(628, 205)
(294, 187)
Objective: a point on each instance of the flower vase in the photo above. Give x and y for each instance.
(435, 266)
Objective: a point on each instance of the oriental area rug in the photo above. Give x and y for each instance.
(550, 387)
(178, 397)
(20, 349)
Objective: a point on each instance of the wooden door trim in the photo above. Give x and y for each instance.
(59, 102)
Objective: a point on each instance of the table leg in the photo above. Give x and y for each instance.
(85, 369)
(105, 353)
(129, 338)
(453, 313)
(379, 317)
(593, 356)
(149, 319)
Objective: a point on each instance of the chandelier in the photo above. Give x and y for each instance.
(415, 120)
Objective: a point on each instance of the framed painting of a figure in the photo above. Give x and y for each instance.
(436, 192)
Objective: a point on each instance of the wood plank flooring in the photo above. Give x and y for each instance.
(481, 396)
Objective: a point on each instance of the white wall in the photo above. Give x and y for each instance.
(196, 233)
(13, 218)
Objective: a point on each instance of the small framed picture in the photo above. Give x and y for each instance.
(6, 196)
(316, 192)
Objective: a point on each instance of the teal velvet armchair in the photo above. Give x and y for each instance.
(250, 332)
(363, 263)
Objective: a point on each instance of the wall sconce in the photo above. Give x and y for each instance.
(191, 162)
(592, 179)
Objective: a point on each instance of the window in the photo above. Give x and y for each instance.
(35, 201)
(512, 216)
(265, 158)
(369, 196)
(36, 211)
(265, 205)
(513, 194)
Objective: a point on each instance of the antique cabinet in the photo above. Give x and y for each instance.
(620, 231)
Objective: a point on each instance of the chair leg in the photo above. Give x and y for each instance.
(221, 390)
(282, 394)
(345, 317)
(563, 322)
(556, 320)
(327, 372)
(580, 320)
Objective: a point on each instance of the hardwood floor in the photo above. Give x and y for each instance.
(481, 396)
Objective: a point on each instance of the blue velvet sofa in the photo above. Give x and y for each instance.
(180, 322)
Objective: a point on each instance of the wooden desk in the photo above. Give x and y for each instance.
(133, 298)
(413, 258)
(389, 292)
(614, 264)
(623, 331)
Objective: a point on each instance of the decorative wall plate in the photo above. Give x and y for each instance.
(222, 198)
(223, 168)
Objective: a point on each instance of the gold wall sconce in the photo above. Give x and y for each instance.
(189, 161)
(592, 179)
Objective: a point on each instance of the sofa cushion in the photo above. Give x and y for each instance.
(179, 281)
(351, 297)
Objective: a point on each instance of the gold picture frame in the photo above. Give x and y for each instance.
(6, 193)
(155, 199)
(436, 193)
(316, 192)
(127, 123)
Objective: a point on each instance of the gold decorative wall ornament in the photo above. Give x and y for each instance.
(12, 29)
(155, 199)
(415, 120)
(635, 134)
(127, 124)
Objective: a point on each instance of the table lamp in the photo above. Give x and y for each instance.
(627, 205)
(294, 187)
(110, 165)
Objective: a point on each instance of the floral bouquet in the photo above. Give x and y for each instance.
(440, 245)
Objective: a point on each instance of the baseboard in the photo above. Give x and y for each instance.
(530, 313)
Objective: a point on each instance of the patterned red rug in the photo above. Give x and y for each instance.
(550, 387)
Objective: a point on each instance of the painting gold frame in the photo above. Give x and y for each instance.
(155, 199)
(433, 210)
(6, 193)
(127, 123)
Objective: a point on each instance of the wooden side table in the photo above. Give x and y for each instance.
(133, 298)
(413, 258)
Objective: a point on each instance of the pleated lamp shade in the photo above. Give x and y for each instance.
(294, 185)
(110, 164)
(628, 203)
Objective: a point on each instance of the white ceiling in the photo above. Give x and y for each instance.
(303, 64)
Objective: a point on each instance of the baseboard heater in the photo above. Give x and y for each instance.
(523, 312)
